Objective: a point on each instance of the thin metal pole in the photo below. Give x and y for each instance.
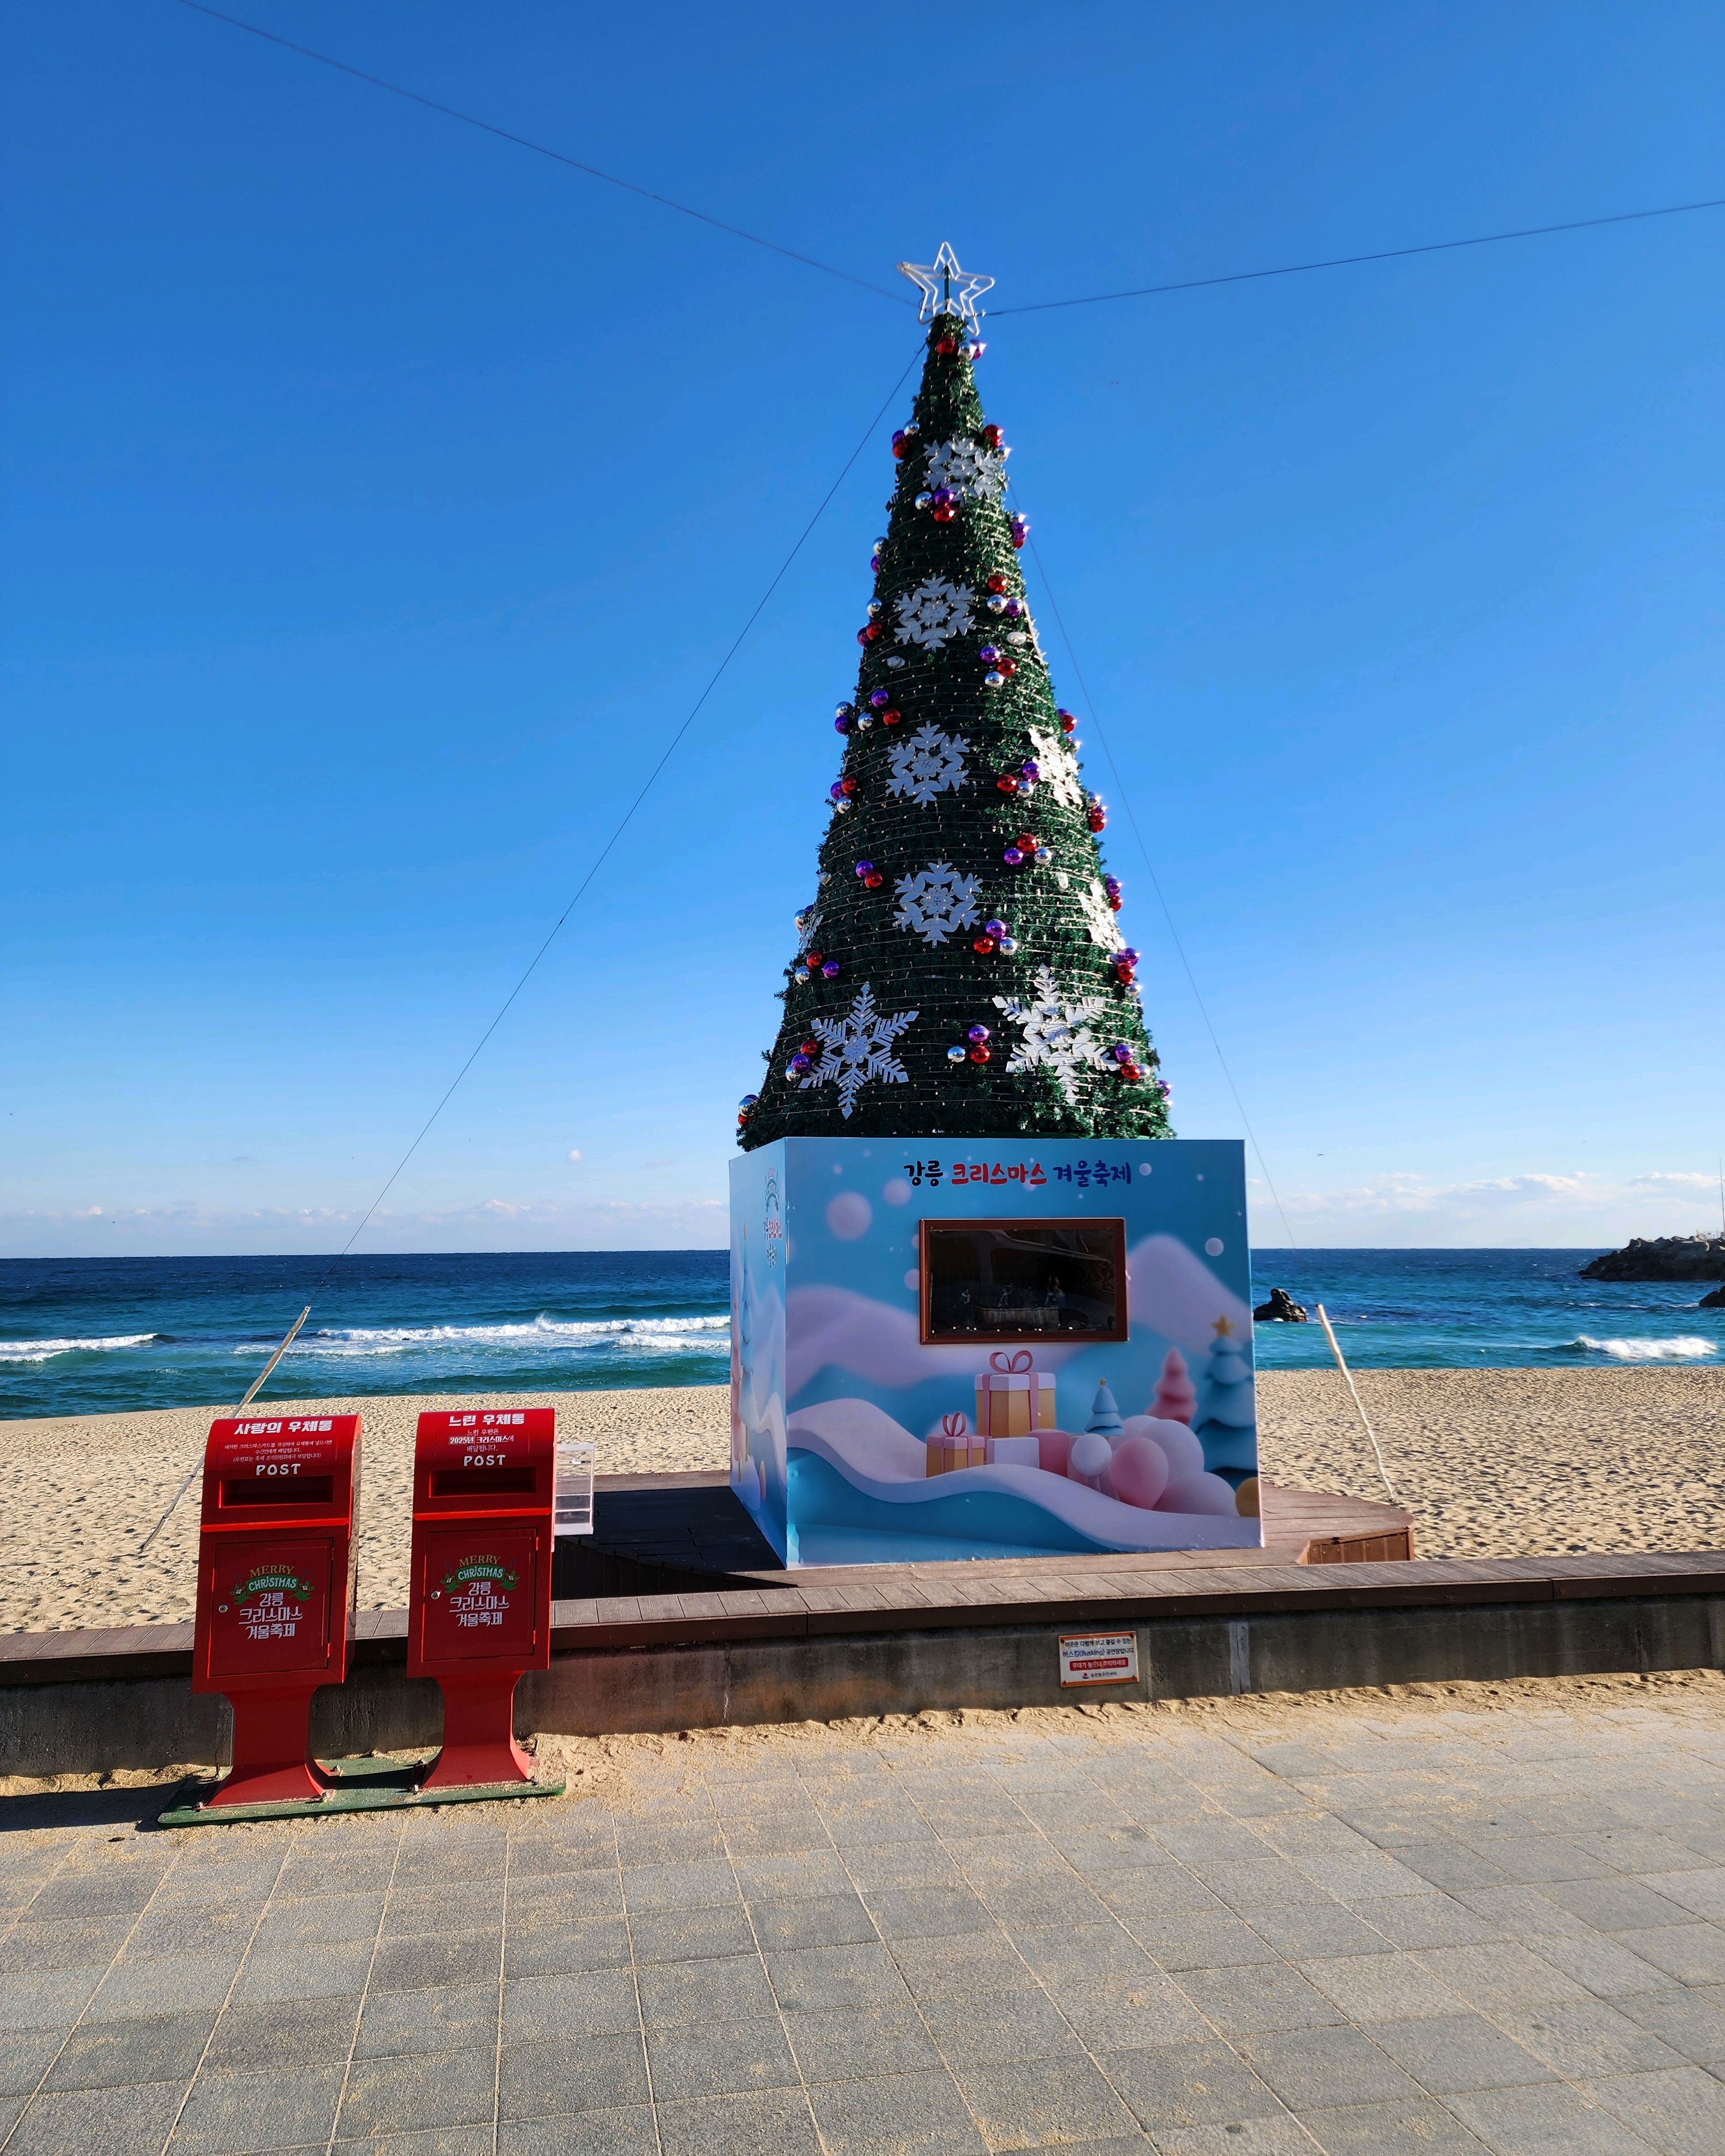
(293, 1334)
(1342, 1364)
(257, 1384)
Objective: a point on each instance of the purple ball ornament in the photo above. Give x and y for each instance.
(837, 789)
(1122, 1052)
(977, 1032)
(879, 698)
(942, 498)
(829, 972)
(1125, 956)
(994, 928)
(1031, 769)
(799, 1064)
(842, 723)
(1012, 857)
(865, 868)
(989, 653)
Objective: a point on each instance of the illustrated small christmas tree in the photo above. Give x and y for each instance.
(960, 971)
(1227, 1417)
(1176, 1399)
(1104, 1415)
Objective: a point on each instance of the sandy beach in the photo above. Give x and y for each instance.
(1492, 1463)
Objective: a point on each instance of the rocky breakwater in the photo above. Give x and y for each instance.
(1662, 1258)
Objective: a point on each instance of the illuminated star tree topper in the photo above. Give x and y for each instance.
(946, 289)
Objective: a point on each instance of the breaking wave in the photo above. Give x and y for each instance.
(641, 1336)
(44, 1350)
(1686, 1347)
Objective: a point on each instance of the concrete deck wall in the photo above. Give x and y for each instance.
(151, 1721)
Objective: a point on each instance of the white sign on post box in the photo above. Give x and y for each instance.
(1089, 1658)
(572, 1500)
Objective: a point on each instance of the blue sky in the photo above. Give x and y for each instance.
(381, 495)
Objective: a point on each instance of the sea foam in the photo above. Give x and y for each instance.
(648, 1336)
(43, 1350)
(1686, 1347)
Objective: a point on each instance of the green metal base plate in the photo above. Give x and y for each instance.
(369, 1784)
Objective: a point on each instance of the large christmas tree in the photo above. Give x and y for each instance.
(960, 971)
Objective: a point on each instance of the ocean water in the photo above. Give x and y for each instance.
(90, 1335)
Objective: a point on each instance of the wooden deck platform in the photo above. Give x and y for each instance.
(679, 1534)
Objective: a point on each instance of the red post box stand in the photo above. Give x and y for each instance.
(276, 1590)
(479, 1614)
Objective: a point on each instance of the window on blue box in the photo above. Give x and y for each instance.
(1023, 1279)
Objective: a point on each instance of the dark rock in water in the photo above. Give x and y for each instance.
(1282, 1309)
(1663, 1258)
(1716, 1300)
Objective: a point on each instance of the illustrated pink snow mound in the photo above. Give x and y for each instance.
(1140, 1472)
(1090, 1460)
(1206, 1494)
(1176, 1396)
(1182, 1450)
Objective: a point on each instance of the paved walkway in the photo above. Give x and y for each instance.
(1500, 1929)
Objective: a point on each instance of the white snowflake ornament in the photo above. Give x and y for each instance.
(935, 612)
(928, 763)
(856, 1048)
(967, 469)
(1099, 917)
(1058, 765)
(1056, 1032)
(936, 902)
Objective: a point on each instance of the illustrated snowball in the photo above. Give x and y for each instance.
(1140, 1472)
(1212, 1247)
(897, 1191)
(848, 1215)
(1144, 1167)
(1089, 1457)
(1173, 1441)
(1207, 1494)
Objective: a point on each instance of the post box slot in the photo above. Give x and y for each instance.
(299, 1491)
(472, 1481)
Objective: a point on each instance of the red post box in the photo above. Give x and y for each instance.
(479, 1608)
(275, 1589)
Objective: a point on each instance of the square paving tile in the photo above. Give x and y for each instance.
(599, 2002)
(1030, 2103)
(456, 1957)
(453, 2017)
(804, 1979)
(772, 2123)
(1315, 2069)
(626, 2131)
(1447, 2053)
(560, 2078)
(229, 2114)
(1011, 2026)
(98, 2122)
(310, 2032)
(720, 2058)
(118, 2054)
(1582, 2039)
(920, 2114)
(425, 2089)
(1169, 2085)
(1258, 1999)
(1402, 2129)
(691, 1934)
(817, 1920)
(566, 1950)
(1693, 1954)
(1692, 2022)
(1386, 1987)
(1551, 2119)
(851, 2043)
(965, 1962)
(1681, 2112)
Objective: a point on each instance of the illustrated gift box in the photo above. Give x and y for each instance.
(1012, 1398)
(954, 1445)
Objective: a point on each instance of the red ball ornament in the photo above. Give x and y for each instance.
(1007, 783)
(1115, 901)
(981, 1055)
(946, 346)
(985, 944)
(1097, 820)
(847, 786)
(814, 961)
(874, 880)
(997, 582)
(991, 435)
(810, 1047)
(870, 635)
(1029, 842)
(1069, 724)
(1131, 1073)
(944, 514)
(891, 718)
(1008, 666)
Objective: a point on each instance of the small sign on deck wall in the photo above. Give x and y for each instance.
(1093, 1658)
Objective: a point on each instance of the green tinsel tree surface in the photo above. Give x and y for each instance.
(959, 972)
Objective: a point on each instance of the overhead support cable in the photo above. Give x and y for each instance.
(1348, 261)
(539, 149)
